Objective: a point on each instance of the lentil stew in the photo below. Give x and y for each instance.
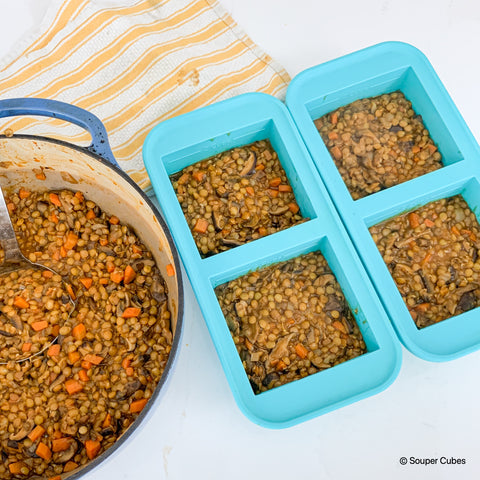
(289, 320)
(65, 406)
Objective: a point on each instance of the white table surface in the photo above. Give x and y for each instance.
(431, 410)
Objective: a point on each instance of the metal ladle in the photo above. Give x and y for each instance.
(15, 260)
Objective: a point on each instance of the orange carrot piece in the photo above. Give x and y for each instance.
(70, 291)
(198, 175)
(415, 149)
(95, 359)
(429, 223)
(79, 195)
(40, 325)
(54, 199)
(110, 267)
(55, 330)
(426, 259)
(11, 207)
(36, 433)
(333, 135)
(339, 326)
(61, 444)
(86, 282)
(275, 182)
(129, 275)
(114, 220)
(23, 193)
(293, 207)
(413, 219)
(53, 217)
(92, 448)
(336, 152)
(116, 276)
(83, 375)
(129, 371)
(69, 466)
(47, 274)
(131, 312)
(26, 347)
(422, 307)
(284, 188)
(107, 421)
(334, 118)
(73, 357)
(70, 241)
(137, 405)
(103, 242)
(63, 251)
(16, 468)
(136, 249)
(73, 386)
(273, 193)
(56, 477)
(455, 230)
(126, 362)
(281, 365)
(79, 331)
(53, 350)
(200, 226)
(90, 215)
(432, 149)
(20, 302)
(170, 270)
(260, 166)
(301, 351)
(86, 365)
(250, 191)
(43, 451)
(262, 231)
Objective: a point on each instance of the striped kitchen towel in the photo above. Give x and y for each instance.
(133, 64)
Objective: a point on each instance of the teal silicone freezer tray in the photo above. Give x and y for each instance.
(187, 139)
(381, 69)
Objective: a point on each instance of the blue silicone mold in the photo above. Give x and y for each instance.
(381, 69)
(187, 139)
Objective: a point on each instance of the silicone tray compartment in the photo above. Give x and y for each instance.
(184, 140)
(382, 69)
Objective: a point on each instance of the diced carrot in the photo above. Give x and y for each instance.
(129, 275)
(198, 175)
(55, 200)
(55, 330)
(334, 118)
(250, 191)
(301, 351)
(90, 215)
(273, 193)
(293, 207)
(16, 468)
(63, 251)
(339, 326)
(110, 267)
(73, 357)
(137, 405)
(69, 466)
(86, 282)
(86, 365)
(54, 350)
(40, 325)
(61, 444)
(20, 302)
(103, 281)
(26, 347)
(116, 276)
(56, 477)
(336, 152)
(95, 359)
(413, 219)
(23, 193)
(281, 365)
(83, 375)
(275, 182)
(79, 331)
(126, 362)
(43, 451)
(72, 386)
(429, 223)
(92, 448)
(11, 207)
(114, 220)
(107, 421)
(36, 433)
(129, 371)
(284, 188)
(136, 249)
(57, 434)
(200, 226)
(103, 242)
(432, 149)
(47, 274)
(183, 179)
(415, 149)
(262, 231)
(426, 259)
(53, 217)
(70, 241)
(170, 270)
(455, 230)
(333, 135)
(56, 255)
(260, 166)
(70, 291)
(131, 312)
(79, 195)
(422, 307)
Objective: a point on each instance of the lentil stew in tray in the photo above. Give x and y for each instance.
(235, 197)
(433, 256)
(69, 403)
(377, 143)
(289, 320)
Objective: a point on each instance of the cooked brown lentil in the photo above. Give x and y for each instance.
(377, 143)
(235, 197)
(289, 320)
(433, 256)
(62, 408)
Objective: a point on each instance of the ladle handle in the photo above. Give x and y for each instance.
(8, 239)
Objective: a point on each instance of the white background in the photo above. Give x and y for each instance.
(431, 410)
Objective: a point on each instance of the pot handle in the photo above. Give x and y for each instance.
(65, 111)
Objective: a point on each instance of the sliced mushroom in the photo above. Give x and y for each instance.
(129, 390)
(42, 206)
(233, 324)
(280, 210)
(158, 289)
(6, 334)
(23, 432)
(58, 381)
(271, 377)
(232, 242)
(241, 308)
(333, 304)
(66, 455)
(280, 349)
(250, 165)
(218, 220)
(467, 301)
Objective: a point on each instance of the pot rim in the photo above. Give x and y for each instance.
(180, 307)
